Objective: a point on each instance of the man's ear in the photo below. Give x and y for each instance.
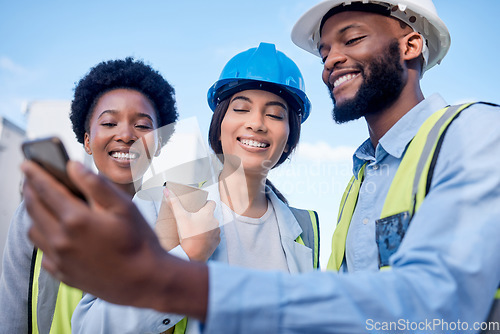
(86, 143)
(412, 46)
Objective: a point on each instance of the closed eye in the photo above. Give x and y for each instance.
(354, 40)
(144, 127)
(275, 116)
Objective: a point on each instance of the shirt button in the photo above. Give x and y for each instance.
(365, 221)
(375, 167)
(166, 321)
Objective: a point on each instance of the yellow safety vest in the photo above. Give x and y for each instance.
(53, 313)
(408, 188)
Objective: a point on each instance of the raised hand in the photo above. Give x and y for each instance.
(199, 232)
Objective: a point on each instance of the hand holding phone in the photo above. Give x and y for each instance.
(51, 155)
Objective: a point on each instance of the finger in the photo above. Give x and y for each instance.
(208, 211)
(49, 264)
(175, 205)
(45, 228)
(208, 208)
(51, 194)
(44, 224)
(98, 190)
(39, 240)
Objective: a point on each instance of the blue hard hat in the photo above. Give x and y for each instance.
(262, 68)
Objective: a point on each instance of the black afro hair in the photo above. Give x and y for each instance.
(121, 73)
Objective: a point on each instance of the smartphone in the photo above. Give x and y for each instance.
(51, 155)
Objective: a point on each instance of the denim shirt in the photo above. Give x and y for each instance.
(444, 274)
(382, 164)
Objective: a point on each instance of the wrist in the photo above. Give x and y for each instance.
(179, 287)
(194, 253)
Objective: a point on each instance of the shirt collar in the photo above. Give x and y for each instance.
(395, 141)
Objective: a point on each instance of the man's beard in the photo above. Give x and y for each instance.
(380, 88)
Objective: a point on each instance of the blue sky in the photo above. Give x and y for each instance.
(47, 46)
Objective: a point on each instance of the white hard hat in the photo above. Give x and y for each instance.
(420, 15)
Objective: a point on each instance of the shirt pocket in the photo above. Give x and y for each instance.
(389, 233)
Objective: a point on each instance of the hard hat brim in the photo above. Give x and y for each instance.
(306, 35)
(223, 89)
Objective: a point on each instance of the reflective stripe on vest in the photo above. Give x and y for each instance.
(315, 224)
(308, 221)
(52, 314)
(347, 205)
(408, 188)
(180, 327)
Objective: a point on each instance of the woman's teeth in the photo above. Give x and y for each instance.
(253, 143)
(124, 156)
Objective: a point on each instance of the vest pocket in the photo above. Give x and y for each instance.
(389, 233)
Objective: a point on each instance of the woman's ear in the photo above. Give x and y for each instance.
(412, 45)
(86, 143)
(285, 150)
(158, 147)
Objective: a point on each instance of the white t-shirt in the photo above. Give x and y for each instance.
(254, 242)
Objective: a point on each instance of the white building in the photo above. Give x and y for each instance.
(51, 118)
(44, 118)
(11, 137)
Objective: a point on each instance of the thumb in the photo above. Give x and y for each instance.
(96, 189)
(176, 205)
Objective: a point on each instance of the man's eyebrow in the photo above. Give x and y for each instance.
(351, 26)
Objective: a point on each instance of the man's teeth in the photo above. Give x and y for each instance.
(124, 156)
(253, 143)
(343, 79)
